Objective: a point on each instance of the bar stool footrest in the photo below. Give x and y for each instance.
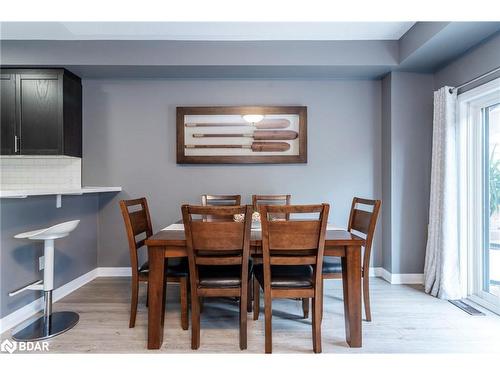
(36, 285)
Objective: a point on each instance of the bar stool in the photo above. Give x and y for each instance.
(51, 323)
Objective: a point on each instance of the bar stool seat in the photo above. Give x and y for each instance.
(51, 323)
(52, 233)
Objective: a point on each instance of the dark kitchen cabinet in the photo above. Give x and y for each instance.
(43, 112)
(8, 113)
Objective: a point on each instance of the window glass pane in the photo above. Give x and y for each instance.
(491, 264)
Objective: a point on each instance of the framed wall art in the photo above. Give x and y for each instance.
(241, 135)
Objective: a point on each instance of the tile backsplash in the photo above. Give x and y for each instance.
(40, 172)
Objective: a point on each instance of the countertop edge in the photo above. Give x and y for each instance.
(84, 190)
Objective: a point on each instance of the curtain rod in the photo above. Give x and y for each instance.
(474, 79)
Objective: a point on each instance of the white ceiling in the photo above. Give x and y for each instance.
(222, 31)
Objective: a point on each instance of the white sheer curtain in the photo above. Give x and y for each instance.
(442, 261)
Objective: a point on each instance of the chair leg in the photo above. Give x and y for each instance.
(183, 286)
(195, 321)
(243, 319)
(268, 313)
(322, 299)
(202, 302)
(133, 302)
(305, 307)
(316, 324)
(250, 295)
(366, 298)
(256, 299)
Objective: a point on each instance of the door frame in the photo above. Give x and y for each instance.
(472, 193)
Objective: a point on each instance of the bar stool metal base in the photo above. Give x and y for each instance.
(59, 322)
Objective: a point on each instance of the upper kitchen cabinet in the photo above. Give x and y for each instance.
(41, 112)
(8, 113)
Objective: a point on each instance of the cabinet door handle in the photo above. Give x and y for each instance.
(16, 148)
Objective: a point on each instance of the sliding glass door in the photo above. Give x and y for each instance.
(490, 267)
(479, 171)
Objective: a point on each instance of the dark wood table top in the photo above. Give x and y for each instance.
(334, 237)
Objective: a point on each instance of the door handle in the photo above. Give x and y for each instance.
(16, 147)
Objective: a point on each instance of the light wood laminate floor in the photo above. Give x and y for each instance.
(405, 320)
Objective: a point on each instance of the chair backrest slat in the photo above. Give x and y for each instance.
(220, 200)
(361, 221)
(294, 235)
(137, 222)
(294, 242)
(364, 222)
(293, 261)
(220, 261)
(230, 235)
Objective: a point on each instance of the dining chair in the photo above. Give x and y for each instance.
(292, 260)
(278, 199)
(138, 227)
(224, 200)
(219, 265)
(362, 222)
(220, 200)
(273, 199)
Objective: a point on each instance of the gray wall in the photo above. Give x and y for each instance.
(406, 160)
(386, 173)
(411, 148)
(129, 140)
(74, 255)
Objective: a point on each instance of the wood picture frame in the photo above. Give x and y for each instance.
(223, 141)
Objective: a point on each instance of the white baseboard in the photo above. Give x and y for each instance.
(20, 315)
(397, 278)
(374, 271)
(113, 271)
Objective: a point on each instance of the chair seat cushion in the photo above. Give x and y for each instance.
(222, 276)
(332, 265)
(178, 269)
(287, 277)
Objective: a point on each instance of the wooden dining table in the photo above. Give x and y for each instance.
(170, 243)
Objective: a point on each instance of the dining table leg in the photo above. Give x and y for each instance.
(156, 296)
(351, 281)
